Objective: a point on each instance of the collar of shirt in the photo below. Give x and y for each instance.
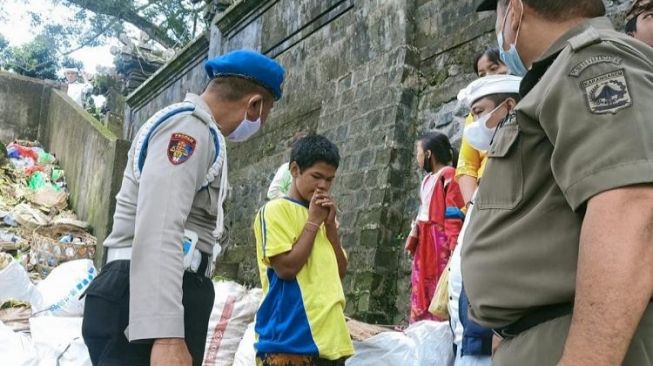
(600, 23)
(199, 102)
(540, 66)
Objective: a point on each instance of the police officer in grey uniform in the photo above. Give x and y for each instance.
(152, 300)
(558, 256)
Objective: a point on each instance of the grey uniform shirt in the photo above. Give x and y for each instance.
(152, 214)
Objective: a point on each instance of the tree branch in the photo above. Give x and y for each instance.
(129, 15)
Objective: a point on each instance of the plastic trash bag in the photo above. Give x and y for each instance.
(246, 354)
(233, 310)
(14, 281)
(59, 293)
(58, 341)
(37, 181)
(433, 342)
(425, 343)
(29, 217)
(16, 348)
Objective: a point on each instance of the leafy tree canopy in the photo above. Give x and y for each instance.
(171, 24)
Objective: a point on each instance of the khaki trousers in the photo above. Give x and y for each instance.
(543, 345)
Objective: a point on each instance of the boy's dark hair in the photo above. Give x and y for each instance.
(313, 149)
(561, 10)
(492, 55)
(501, 97)
(234, 88)
(440, 147)
(631, 25)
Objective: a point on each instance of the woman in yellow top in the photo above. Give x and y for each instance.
(471, 161)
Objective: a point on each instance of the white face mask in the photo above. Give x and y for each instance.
(478, 134)
(246, 128)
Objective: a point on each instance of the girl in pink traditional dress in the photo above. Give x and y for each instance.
(435, 232)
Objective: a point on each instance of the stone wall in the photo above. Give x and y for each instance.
(92, 158)
(349, 77)
(372, 76)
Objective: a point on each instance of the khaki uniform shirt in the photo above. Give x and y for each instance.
(152, 213)
(584, 126)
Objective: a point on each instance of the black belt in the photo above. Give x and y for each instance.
(541, 315)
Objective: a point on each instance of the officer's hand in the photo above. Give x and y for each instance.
(170, 352)
(316, 213)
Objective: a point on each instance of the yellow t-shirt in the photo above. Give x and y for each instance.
(305, 315)
(471, 162)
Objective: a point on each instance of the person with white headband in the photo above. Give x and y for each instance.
(151, 303)
(490, 99)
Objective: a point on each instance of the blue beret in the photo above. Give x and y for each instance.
(249, 65)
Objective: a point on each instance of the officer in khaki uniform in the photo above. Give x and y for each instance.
(151, 303)
(558, 256)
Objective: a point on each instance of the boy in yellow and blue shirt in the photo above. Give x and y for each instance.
(301, 262)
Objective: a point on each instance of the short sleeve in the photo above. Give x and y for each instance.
(279, 185)
(599, 121)
(469, 160)
(273, 233)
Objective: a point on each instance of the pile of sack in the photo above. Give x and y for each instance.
(43, 324)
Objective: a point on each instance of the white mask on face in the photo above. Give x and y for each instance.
(478, 134)
(246, 128)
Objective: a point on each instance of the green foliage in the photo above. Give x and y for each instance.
(38, 58)
(170, 23)
(3, 43)
(102, 83)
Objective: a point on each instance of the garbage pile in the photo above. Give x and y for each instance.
(46, 256)
(37, 228)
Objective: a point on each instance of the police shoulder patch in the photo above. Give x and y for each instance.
(607, 93)
(180, 148)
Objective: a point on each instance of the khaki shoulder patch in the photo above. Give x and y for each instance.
(607, 93)
(577, 70)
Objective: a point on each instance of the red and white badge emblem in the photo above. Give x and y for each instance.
(180, 148)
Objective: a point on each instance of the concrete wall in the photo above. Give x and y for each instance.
(92, 157)
(349, 77)
(20, 107)
(372, 76)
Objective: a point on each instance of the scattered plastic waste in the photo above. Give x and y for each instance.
(10, 220)
(66, 239)
(9, 237)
